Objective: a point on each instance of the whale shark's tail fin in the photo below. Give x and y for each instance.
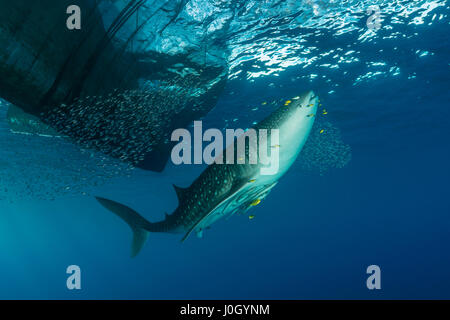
(138, 224)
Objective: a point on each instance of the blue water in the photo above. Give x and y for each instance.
(313, 236)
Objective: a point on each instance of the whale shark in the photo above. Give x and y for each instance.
(225, 189)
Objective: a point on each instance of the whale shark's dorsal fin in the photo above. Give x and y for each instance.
(181, 192)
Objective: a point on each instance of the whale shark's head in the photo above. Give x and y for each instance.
(298, 111)
(305, 103)
(293, 121)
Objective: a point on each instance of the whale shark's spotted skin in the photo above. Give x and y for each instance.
(225, 189)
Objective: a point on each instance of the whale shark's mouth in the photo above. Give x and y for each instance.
(312, 96)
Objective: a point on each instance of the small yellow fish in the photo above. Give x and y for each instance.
(251, 217)
(264, 103)
(322, 131)
(311, 105)
(324, 112)
(253, 180)
(255, 202)
(310, 115)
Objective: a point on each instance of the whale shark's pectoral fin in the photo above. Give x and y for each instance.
(241, 199)
(218, 209)
(196, 225)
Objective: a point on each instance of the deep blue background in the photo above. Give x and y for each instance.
(313, 237)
